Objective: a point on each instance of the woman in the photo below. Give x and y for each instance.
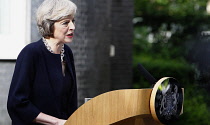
(43, 88)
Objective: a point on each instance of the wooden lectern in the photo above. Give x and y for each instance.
(119, 107)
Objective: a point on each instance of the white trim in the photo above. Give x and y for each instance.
(28, 21)
(18, 36)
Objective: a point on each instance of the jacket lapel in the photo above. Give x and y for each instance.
(71, 68)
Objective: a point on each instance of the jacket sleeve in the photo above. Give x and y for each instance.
(20, 108)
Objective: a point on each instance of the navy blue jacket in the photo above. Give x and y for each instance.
(33, 88)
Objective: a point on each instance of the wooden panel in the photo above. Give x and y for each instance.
(112, 107)
(138, 120)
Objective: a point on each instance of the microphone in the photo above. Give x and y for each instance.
(146, 74)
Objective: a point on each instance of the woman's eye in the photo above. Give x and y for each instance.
(73, 20)
(65, 23)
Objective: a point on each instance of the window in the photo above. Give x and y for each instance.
(14, 27)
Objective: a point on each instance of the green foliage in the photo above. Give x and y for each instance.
(176, 8)
(195, 108)
(162, 31)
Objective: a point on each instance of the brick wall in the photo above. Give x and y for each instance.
(121, 38)
(99, 24)
(91, 48)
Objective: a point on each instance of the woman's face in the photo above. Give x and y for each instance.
(64, 30)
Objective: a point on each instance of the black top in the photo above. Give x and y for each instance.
(65, 93)
(38, 85)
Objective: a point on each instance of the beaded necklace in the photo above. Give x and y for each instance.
(49, 49)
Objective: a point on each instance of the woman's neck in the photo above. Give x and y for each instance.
(55, 45)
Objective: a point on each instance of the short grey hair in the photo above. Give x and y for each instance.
(51, 11)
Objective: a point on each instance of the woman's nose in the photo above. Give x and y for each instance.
(71, 26)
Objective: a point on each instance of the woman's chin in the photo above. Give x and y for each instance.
(68, 40)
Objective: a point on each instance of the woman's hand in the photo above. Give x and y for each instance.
(48, 120)
(61, 122)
